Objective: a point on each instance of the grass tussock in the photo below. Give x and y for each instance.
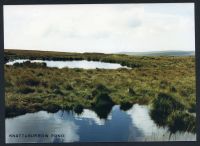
(168, 110)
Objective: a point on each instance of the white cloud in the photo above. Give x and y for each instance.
(47, 123)
(100, 28)
(92, 117)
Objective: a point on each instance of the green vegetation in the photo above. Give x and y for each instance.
(167, 83)
(168, 110)
(163, 106)
(29, 64)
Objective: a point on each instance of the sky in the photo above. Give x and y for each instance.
(106, 28)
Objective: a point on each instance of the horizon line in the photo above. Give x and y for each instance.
(101, 52)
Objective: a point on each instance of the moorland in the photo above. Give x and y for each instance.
(166, 83)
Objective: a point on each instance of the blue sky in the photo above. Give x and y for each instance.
(100, 28)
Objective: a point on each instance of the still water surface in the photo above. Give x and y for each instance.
(119, 126)
(73, 64)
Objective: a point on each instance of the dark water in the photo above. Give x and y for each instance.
(74, 64)
(67, 126)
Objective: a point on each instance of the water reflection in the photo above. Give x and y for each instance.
(91, 116)
(150, 130)
(73, 64)
(103, 111)
(40, 123)
(134, 124)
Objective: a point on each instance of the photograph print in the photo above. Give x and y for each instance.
(99, 73)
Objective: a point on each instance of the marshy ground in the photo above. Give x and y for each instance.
(166, 83)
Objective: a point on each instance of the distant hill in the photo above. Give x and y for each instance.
(160, 53)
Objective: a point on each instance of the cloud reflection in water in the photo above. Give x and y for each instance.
(41, 123)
